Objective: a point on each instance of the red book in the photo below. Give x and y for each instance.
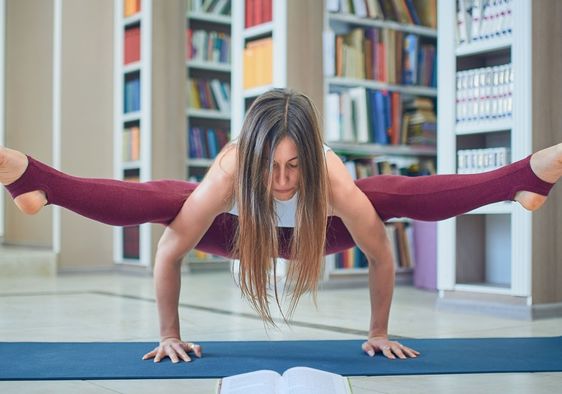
(131, 247)
(132, 45)
(258, 12)
(268, 11)
(249, 13)
(188, 44)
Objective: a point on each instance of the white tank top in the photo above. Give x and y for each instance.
(286, 210)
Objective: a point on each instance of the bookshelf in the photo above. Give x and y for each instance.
(145, 104)
(290, 54)
(496, 94)
(132, 128)
(366, 55)
(208, 88)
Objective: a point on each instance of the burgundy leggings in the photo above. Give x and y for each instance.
(427, 198)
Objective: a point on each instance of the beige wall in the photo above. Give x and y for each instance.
(168, 94)
(305, 19)
(86, 123)
(29, 44)
(547, 130)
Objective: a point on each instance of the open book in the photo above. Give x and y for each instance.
(297, 380)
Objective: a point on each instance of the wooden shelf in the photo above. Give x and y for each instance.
(209, 17)
(209, 66)
(199, 162)
(484, 126)
(207, 114)
(368, 22)
(376, 149)
(378, 85)
(484, 46)
(258, 31)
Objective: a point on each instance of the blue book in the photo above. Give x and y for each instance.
(212, 143)
(381, 136)
(192, 152)
(387, 115)
(413, 12)
(410, 68)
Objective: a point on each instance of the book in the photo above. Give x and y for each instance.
(296, 380)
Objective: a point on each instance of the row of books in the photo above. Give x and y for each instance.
(131, 143)
(131, 47)
(418, 12)
(401, 239)
(131, 99)
(258, 63)
(211, 94)
(219, 7)
(209, 46)
(258, 12)
(483, 19)
(484, 93)
(131, 242)
(388, 165)
(374, 116)
(131, 7)
(206, 143)
(382, 55)
(471, 161)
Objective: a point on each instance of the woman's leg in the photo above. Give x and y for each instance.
(105, 200)
(439, 197)
(108, 201)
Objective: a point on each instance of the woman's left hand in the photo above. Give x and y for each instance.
(390, 349)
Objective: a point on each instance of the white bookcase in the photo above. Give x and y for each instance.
(295, 29)
(488, 259)
(210, 21)
(297, 52)
(161, 117)
(142, 118)
(339, 22)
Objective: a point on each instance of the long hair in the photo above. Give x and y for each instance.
(273, 116)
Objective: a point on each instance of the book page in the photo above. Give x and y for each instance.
(304, 380)
(257, 382)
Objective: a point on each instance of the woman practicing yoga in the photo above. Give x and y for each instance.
(277, 191)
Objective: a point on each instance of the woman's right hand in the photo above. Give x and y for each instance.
(175, 349)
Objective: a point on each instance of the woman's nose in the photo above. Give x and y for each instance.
(281, 177)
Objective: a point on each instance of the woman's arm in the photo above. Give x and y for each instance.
(209, 199)
(357, 213)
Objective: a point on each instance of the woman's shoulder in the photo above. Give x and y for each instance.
(226, 160)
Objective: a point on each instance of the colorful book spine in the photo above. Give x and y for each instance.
(131, 7)
(132, 51)
(258, 12)
(258, 63)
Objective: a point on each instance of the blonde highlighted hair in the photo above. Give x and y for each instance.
(275, 115)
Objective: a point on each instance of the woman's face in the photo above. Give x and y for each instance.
(286, 170)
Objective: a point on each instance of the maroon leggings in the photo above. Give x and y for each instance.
(427, 198)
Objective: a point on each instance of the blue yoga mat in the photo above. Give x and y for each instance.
(122, 360)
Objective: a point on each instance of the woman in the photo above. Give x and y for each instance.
(277, 191)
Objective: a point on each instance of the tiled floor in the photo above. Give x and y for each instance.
(92, 308)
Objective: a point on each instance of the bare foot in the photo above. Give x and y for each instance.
(12, 165)
(547, 165)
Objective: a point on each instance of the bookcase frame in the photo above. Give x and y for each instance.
(531, 236)
(162, 108)
(345, 277)
(207, 21)
(144, 116)
(297, 56)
